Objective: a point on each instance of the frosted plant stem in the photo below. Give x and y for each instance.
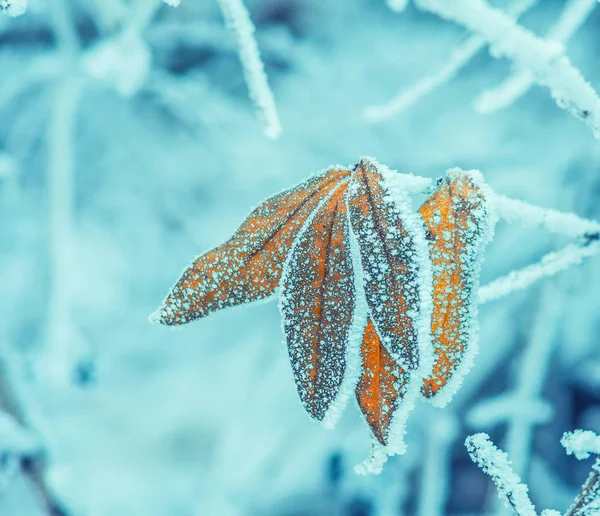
(533, 368)
(457, 59)
(33, 466)
(238, 20)
(435, 482)
(59, 137)
(549, 265)
(544, 59)
(573, 16)
(495, 463)
(581, 444)
(587, 502)
(529, 216)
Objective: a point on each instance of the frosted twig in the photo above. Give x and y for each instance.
(23, 441)
(574, 14)
(457, 59)
(549, 265)
(544, 59)
(582, 444)
(238, 20)
(495, 463)
(527, 215)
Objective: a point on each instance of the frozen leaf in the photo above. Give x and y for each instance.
(396, 272)
(248, 266)
(381, 385)
(317, 303)
(459, 226)
(390, 263)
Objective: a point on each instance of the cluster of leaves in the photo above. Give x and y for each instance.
(374, 296)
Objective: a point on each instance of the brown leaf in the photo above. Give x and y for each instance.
(248, 266)
(457, 220)
(317, 303)
(390, 264)
(381, 386)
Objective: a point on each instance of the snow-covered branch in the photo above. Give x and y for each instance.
(238, 20)
(574, 14)
(495, 463)
(549, 265)
(546, 60)
(581, 444)
(457, 59)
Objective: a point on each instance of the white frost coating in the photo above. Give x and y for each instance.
(544, 59)
(457, 59)
(581, 443)
(447, 392)
(397, 5)
(569, 224)
(552, 512)
(574, 14)
(398, 195)
(238, 20)
(13, 7)
(359, 321)
(551, 264)
(495, 463)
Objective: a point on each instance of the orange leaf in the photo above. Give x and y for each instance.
(381, 386)
(458, 224)
(248, 266)
(317, 303)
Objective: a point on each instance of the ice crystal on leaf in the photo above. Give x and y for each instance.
(376, 297)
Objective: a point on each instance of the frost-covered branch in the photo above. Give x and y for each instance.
(529, 216)
(544, 59)
(20, 446)
(573, 16)
(581, 444)
(495, 463)
(549, 265)
(238, 20)
(457, 59)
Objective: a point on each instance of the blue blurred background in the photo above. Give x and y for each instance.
(128, 145)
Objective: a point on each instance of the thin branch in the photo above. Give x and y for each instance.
(582, 444)
(549, 265)
(573, 16)
(457, 59)
(32, 457)
(544, 59)
(238, 20)
(495, 463)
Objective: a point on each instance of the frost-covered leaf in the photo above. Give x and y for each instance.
(317, 304)
(248, 266)
(459, 226)
(396, 274)
(390, 261)
(381, 386)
